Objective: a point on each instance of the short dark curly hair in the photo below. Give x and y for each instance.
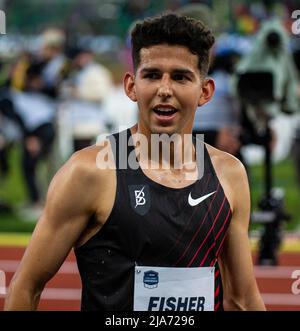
(173, 29)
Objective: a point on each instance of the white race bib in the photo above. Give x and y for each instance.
(178, 289)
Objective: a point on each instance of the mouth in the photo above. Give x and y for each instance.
(165, 112)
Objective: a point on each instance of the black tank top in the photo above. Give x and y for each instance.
(152, 225)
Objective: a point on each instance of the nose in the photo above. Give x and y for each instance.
(165, 88)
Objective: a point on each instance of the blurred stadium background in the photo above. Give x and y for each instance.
(101, 27)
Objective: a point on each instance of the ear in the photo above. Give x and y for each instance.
(208, 89)
(129, 86)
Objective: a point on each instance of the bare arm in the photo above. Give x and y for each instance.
(240, 288)
(68, 207)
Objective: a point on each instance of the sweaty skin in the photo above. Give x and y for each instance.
(166, 75)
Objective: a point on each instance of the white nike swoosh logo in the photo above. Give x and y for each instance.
(195, 202)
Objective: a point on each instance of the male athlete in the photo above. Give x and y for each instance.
(150, 237)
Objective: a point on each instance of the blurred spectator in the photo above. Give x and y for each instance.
(81, 116)
(296, 143)
(34, 114)
(219, 119)
(9, 130)
(3, 148)
(268, 97)
(52, 55)
(270, 53)
(9, 134)
(245, 23)
(90, 80)
(18, 72)
(51, 58)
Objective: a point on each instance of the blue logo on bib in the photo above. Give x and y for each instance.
(150, 279)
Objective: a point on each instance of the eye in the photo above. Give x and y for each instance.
(152, 75)
(180, 77)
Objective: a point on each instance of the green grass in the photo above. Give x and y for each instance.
(12, 187)
(13, 223)
(12, 190)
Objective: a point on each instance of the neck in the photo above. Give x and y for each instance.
(164, 151)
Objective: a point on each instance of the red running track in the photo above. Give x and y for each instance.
(64, 290)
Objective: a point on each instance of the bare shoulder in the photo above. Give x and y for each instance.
(231, 174)
(84, 162)
(86, 165)
(80, 168)
(81, 177)
(226, 164)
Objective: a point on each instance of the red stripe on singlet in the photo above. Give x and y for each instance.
(217, 291)
(206, 255)
(210, 230)
(189, 221)
(217, 273)
(227, 217)
(199, 228)
(218, 250)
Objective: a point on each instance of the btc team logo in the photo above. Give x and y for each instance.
(139, 198)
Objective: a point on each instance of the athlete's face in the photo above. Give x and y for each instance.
(168, 88)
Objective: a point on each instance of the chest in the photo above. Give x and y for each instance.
(172, 178)
(154, 222)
